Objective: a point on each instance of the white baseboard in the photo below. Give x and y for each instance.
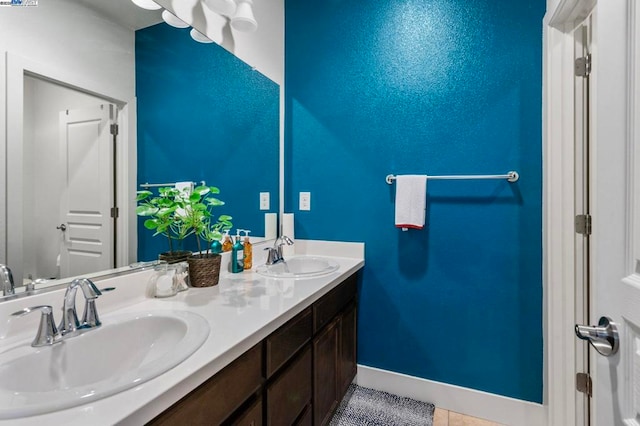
(470, 402)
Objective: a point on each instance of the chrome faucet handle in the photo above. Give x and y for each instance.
(275, 253)
(90, 317)
(278, 246)
(6, 281)
(285, 240)
(47, 333)
(70, 323)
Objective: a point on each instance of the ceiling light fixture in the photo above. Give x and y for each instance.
(222, 7)
(147, 4)
(243, 20)
(239, 12)
(173, 20)
(199, 37)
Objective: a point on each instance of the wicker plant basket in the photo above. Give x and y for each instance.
(175, 256)
(204, 270)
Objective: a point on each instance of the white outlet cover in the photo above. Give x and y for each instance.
(264, 201)
(305, 201)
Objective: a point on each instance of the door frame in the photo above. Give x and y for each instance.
(12, 70)
(616, 118)
(559, 182)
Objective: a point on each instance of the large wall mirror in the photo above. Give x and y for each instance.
(184, 111)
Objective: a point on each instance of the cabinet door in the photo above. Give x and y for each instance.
(348, 349)
(290, 392)
(252, 416)
(325, 374)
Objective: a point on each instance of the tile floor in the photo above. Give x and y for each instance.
(449, 418)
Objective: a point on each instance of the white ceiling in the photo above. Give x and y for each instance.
(124, 12)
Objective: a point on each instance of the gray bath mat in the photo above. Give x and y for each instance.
(369, 407)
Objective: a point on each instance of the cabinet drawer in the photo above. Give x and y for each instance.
(283, 344)
(325, 309)
(290, 393)
(217, 398)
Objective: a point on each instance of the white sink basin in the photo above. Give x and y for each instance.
(126, 351)
(299, 267)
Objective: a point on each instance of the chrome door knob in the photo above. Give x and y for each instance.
(603, 337)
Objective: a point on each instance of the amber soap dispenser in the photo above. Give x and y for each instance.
(248, 251)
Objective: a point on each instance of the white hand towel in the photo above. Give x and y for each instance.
(411, 201)
(186, 188)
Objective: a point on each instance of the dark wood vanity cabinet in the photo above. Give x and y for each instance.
(334, 350)
(295, 376)
(215, 400)
(325, 373)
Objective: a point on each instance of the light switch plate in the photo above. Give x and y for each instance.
(264, 200)
(305, 201)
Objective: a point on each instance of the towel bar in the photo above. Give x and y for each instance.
(512, 176)
(156, 185)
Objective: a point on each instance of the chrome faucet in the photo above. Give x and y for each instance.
(47, 332)
(6, 281)
(275, 253)
(70, 323)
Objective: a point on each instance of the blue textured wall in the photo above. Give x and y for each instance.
(204, 115)
(437, 87)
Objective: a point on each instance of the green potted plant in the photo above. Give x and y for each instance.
(204, 267)
(165, 216)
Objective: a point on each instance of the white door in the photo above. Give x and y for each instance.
(86, 159)
(615, 239)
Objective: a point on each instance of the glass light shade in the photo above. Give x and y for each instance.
(243, 20)
(222, 7)
(147, 4)
(173, 20)
(199, 37)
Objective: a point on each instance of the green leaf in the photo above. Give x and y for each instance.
(167, 191)
(142, 195)
(151, 223)
(224, 218)
(165, 212)
(146, 210)
(215, 202)
(201, 190)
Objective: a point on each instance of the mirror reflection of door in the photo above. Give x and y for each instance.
(57, 165)
(86, 166)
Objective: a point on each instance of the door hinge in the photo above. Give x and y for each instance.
(583, 383)
(583, 224)
(583, 66)
(115, 212)
(114, 129)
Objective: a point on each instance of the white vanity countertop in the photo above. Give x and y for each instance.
(241, 310)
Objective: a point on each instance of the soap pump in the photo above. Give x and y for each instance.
(216, 247)
(237, 255)
(227, 245)
(248, 251)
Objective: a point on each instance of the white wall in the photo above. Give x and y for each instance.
(74, 39)
(552, 5)
(74, 45)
